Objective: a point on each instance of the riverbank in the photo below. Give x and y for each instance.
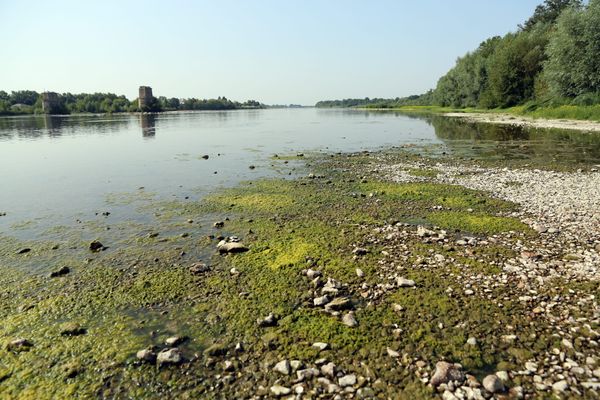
(581, 118)
(369, 277)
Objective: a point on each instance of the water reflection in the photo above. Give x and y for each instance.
(148, 124)
(509, 142)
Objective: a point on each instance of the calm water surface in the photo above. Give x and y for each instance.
(55, 170)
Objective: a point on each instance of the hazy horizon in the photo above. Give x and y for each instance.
(277, 53)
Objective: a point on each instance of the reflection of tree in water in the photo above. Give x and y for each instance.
(40, 126)
(482, 140)
(148, 124)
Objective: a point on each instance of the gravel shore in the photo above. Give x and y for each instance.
(508, 119)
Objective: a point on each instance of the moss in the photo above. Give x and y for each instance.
(140, 291)
(476, 223)
(423, 172)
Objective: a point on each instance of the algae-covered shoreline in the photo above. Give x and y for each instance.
(359, 279)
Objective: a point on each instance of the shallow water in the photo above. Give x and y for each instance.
(58, 170)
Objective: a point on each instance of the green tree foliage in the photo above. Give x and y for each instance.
(548, 12)
(513, 67)
(553, 57)
(573, 66)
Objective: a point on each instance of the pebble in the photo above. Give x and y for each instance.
(446, 372)
(173, 341)
(328, 369)
(231, 247)
(169, 356)
(338, 304)
(472, 341)
(283, 367)
(199, 268)
(320, 345)
(269, 320)
(349, 320)
(19, 345)
(392, 353)
(402, 282)
(279, 390)
(347, 380)
(96, 246)
(560, 386)
(321, 301)
(61, 272)
(359, 273)
(493, 384)
(146, 355)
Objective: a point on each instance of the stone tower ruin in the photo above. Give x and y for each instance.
(50, 103)
(145, 97)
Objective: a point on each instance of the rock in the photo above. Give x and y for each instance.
(320, 345)
(219, 224)
(560, 386)
(146, 355)
(349, 320)
(72, 329)
(170, 356)
(338, 304)
(279, 390)
(199, 268)
(24, 251)
(503, 375)
(283, 367)
(472, 341)
(205, 157)
(61, 272)
(359, 251)
(228, 366)
(328, 369)
(424, 232)
(252, 167)
(173, 341)
(19, 345)
(269, 320)
(312, 274)
(403, 282)
(567, 344)
(320, 301)
(493, 384)
(231, 247)
(347, 380)
(540, 228)
(448, 395)
(216, 350)
(96, 246)
(307, 373)
(397, 307)
(392, 353)
(296, 365)
(531, 366)
(469, 292)
(446, 372)
(359, 273)
(591, 385)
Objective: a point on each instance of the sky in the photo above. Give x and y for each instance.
(276, 52)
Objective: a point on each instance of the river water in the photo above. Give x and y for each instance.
(58, 170)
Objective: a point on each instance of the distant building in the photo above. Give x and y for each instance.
(50, 103)
(145, 97)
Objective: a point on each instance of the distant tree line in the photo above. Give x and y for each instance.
(552, 59)
(376, 102)
(30, 102)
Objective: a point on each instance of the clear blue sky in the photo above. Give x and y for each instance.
(286, 51)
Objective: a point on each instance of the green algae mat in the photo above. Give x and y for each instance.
(77, 334)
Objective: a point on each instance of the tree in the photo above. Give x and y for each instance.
(573, 66)
(548, 12)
